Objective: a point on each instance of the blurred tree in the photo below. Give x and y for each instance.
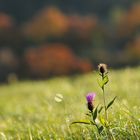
(54, 59)
(49, 22)
(129, 22)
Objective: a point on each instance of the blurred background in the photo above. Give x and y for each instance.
(45, 38)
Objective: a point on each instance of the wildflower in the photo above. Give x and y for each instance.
(102, 68)
(90, 98)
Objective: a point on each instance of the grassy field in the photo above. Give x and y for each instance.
(29, 110)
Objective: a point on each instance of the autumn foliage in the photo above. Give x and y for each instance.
(54, 59)
(130, 21)
(68, 38)
(6, 21)
(51, 22)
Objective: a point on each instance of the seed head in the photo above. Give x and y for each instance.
(102, 68)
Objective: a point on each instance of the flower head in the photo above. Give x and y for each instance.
(90, 98)
(102, 68)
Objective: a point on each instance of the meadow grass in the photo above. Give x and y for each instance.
(29, 111)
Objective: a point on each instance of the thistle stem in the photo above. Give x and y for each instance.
(106, 116)
(95, 122)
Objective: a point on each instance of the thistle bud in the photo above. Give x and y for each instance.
(90, 98)
(90, 106)
(102, 68)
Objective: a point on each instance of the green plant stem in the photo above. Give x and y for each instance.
(106, 116)
(95, 122)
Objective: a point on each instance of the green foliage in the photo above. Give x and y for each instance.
(111, 102)
(101, 129)
(102, 120)
(82, 122)
(100, 109)
(104, 81)
(95, 113)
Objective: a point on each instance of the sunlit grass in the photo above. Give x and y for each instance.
(28, 110)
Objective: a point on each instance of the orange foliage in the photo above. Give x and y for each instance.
(82, 25)
(129, 21)
(54, 59)
(6, 21)
(49, 22)
(52, 22)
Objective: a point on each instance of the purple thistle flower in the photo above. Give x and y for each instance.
(90, 98)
